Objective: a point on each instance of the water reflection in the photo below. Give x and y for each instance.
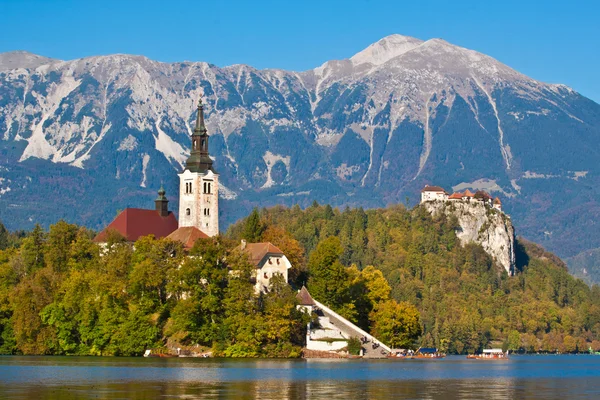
(454, 378)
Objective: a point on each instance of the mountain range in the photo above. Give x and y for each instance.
(84, 138)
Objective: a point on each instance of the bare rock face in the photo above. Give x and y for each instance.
(481, 224)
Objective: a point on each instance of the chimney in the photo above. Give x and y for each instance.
(161, 203)
(243, 244)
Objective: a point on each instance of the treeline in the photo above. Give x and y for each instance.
(465, 300)
(398, 273)
(60, 293)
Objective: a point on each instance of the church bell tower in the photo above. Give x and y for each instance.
(199, 184)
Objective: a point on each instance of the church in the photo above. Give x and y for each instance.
(198, 201)
(198, 213)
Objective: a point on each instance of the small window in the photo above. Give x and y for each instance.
(188, 211)
(209, 187)
(278, 261)
(266, 276)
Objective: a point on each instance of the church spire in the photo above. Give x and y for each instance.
(199, 160)
(200, 127)
(161, 203)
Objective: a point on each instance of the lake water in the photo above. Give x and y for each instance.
(455, 377)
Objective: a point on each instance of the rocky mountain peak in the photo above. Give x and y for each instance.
(385, 49)
(22, 59)
(368, 130)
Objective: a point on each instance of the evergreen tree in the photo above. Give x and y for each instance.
(4, 237)
(253, 228)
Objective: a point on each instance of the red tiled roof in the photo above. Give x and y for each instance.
(187, 235)
(134, 223)
(468, 193)
(428, 188)
(304, 298)
(258, 251)
(483, 194)
(456, 196)
(497, 201)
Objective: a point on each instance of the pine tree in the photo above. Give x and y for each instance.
(253, 228)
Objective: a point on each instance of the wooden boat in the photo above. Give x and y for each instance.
(427, 353)
(489, 354)
(427, 356)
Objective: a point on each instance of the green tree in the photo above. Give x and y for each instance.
(32, 249)
(396, 324)
(58, 245)
(329, 280)
(253, 228)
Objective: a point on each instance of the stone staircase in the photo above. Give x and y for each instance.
(372, 347)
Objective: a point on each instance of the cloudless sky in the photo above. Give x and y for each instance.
(552, 41)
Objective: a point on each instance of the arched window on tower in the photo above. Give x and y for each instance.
(188, 211)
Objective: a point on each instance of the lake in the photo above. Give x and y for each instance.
(455, 377)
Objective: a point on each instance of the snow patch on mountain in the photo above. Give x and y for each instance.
(226, 193)
(128, 144)
(38, 145)
(170, 148)
(145, 161)
(270, 159)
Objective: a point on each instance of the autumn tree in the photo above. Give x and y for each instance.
(396, 324)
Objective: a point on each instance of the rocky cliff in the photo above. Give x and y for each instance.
(481, 224)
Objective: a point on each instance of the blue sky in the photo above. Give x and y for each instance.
(552, 41)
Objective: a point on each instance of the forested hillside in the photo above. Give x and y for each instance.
(398, 273)
(60, 294)
(465, 300)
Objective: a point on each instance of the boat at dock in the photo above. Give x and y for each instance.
(489, 354)
(427, 353)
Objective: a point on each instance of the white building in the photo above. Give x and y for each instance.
(433, 193)
(199, 184)
(269, 261)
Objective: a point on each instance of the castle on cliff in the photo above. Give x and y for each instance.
(436, 193)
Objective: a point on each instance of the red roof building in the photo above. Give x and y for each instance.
(436, 189)
(304, 298)
(133, 223)
(188, 235)
(269, 261)
(259, 251)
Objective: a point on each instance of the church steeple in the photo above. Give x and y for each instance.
(199, 160)
(161, 203)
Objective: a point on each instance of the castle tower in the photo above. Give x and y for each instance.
(199, 184)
